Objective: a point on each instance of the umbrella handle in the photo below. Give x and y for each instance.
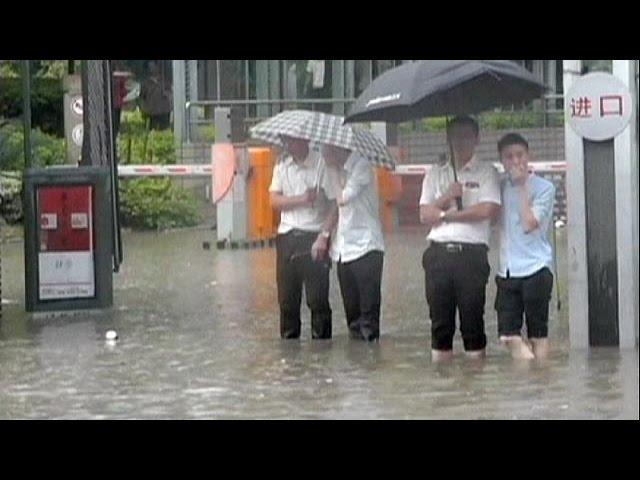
(455, 174)
(453, 164)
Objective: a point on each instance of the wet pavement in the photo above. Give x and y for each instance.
(199, 339)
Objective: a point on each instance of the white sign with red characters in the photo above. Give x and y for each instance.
(598, 106)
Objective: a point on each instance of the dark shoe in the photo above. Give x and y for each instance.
(369, 334)
(355, 335)
(290, 336)
(315, 336)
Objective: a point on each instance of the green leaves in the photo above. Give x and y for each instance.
(156, 203)
(139, 145)
(46, 149)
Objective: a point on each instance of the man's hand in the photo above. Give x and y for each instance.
(430, 216)
(320, 248)
(454, 191)
(309, 197)
(518, 174)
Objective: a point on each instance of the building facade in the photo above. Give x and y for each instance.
(325, 85)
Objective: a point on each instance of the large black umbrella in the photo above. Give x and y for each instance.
(432, 88)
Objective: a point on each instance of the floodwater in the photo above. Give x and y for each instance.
(199, 340)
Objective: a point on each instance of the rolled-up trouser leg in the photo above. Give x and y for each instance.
(316, 280)
(368, 274)
(441, 298)
(289, 283)
(350, 298)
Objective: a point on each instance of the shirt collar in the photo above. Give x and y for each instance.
(348, 165)
(471, 164)
(308, 162)
(508, 181)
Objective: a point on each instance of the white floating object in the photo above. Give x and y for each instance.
(111, 335)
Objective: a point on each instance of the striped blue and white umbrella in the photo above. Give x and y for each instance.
(326, 129)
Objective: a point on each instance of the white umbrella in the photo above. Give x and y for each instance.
(327, 129)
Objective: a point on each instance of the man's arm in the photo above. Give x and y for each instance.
(476, 213)
(361, 176)
(283, 203)
(331, 219)
(489, 201)
(536, 213)
(430, 215)
(431, 208)
(321, 246)
(527, 218)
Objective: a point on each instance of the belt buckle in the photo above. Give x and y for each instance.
(453, 247)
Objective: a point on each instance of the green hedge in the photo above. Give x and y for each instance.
(156, 203)
(46, 149)
(139, 145)
(47, 112)
(491, 121)
(152, 203)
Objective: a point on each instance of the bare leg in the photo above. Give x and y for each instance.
(441, 355)
(518, 347)
(540, 347)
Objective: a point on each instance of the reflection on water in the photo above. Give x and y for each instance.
(199, 339)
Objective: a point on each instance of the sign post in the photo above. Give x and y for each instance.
(599, 108)
(73, 120)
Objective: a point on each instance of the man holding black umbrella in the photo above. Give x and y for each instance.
(455, 263)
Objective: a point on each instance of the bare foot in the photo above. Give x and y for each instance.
(441, 355)
(540, 347)
(519, 348)
(476, 354)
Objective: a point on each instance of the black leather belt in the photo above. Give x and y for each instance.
(300, 233)
(457, 247)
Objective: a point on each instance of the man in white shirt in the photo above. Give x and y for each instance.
(358, 246)
(455, 263)
(307, 209)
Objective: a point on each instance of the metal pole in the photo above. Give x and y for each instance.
(555, 265)
(218, 79)
(246, 85)
(113, 164)
(26, 111)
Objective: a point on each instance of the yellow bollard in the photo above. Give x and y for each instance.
(263, 221)
(390, 192)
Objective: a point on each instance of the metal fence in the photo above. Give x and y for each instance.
(206, 107)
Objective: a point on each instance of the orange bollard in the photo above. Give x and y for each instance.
(390, 191)
(263, 221)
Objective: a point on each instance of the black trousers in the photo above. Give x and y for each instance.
(456, 276)
(295, 268)
(527, 296)
(360, 282)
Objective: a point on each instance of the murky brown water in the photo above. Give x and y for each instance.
(199, 339)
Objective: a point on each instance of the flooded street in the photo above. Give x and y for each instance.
(199, 340)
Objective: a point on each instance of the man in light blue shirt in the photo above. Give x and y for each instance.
(524, 278)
